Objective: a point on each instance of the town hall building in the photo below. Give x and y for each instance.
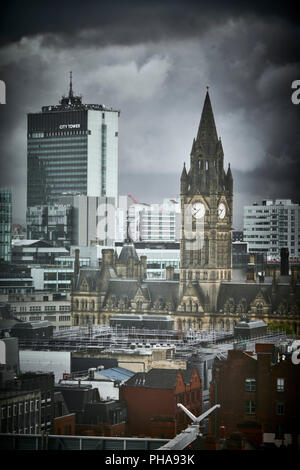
(205, 296)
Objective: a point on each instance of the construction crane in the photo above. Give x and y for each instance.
(190, 434)
(133, 199)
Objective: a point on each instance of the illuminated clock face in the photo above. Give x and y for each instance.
(198, 210)
(221, 210)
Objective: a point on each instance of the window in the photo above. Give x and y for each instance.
(280, 385)
(280, 408)
(250, 385)
(250, 407)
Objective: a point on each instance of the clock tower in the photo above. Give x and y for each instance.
(206, 223)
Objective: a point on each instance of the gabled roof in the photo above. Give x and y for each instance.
(91, 275)
(152, 290)
(249, 291)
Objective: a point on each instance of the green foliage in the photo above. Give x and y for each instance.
(280, 326)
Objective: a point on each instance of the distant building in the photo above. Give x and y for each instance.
(56, 278)
(138, 357)
(72, 147)
(161, 390)
(27, 252)
(50, 223)
(272, 225)
(94, 220)
(5, 224)
(154, 222)
(14, 280)
(42, 307)
(258, 397)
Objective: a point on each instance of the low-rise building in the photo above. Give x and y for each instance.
(152, 399)
(107, 381)
(139, 358)
(42, 306)
(258, 395)
(14, 280)
(20, 412)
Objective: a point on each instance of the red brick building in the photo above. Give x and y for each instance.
(259, 396)
(65, 425)
(152, 398)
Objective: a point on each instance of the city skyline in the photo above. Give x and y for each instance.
(157, 76)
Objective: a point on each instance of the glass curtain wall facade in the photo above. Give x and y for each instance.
(72, 148)
(57, 158)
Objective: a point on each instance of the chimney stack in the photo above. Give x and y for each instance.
(170, 273)
(284, 262)
(76, 262)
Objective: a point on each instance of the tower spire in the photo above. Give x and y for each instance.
(207, 132)
(71, 87)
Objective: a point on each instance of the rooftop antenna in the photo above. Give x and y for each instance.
(71, 88)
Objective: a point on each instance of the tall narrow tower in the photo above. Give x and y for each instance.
(206, 208)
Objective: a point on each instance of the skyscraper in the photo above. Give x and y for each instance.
(72, 148)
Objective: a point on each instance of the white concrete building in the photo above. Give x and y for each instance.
(42, 306)
(150, 222)
(272, 225)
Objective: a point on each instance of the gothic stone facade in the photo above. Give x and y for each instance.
(205, 295)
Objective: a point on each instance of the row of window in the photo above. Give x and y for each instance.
(250, 385)
(250, 408)
(20, 408)
(38, 308)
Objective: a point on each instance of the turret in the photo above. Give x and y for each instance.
(229, 179)
(184, 181)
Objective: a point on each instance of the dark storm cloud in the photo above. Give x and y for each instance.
(152, 60)
(128, 22)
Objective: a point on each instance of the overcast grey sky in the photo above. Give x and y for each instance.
(153, 60)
